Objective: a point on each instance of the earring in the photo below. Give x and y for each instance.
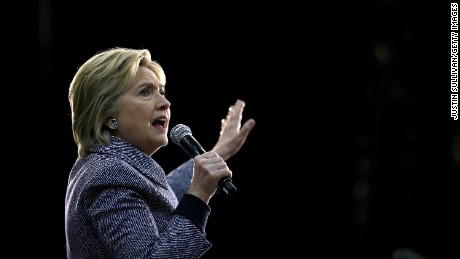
(113, 124)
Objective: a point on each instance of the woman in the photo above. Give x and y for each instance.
(119, 201)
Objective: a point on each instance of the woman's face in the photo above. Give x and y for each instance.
(144, 113)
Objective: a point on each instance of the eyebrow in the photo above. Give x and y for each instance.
(151, 84)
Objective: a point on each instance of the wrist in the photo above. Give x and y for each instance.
(200, 195)
(222, 152)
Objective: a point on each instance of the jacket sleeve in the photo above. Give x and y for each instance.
(179, 179)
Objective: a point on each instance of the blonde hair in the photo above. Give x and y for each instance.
(96, 88)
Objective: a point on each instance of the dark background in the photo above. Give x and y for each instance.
(353, 150)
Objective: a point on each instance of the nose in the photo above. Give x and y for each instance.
(163, 103)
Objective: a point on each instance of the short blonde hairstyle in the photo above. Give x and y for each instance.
(96, 88)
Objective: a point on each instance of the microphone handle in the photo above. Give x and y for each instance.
(226, 184)
(193, 148)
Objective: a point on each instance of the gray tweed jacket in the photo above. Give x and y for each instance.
(120, 204)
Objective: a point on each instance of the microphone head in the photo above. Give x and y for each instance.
(178, 132)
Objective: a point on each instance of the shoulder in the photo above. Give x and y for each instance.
(96, 170)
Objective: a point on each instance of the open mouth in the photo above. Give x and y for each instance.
(160, 122)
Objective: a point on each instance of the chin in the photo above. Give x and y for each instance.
(162, 143)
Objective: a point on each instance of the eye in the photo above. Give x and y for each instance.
(162, 92)
(145, 91)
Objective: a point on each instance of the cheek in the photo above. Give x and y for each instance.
(135, 111)
(134, 114)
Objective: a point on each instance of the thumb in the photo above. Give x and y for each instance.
(248, 126)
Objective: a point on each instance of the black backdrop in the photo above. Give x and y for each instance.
(352, 150)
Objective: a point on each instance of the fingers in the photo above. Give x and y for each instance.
(233, 133)
(231, 129)
(237, 108)
(209, 169)
(234, 115)
(213, 164)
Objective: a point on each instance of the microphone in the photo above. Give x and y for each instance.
(182, 135)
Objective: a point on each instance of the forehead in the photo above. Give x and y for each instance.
(145, 74)
(145, 77)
